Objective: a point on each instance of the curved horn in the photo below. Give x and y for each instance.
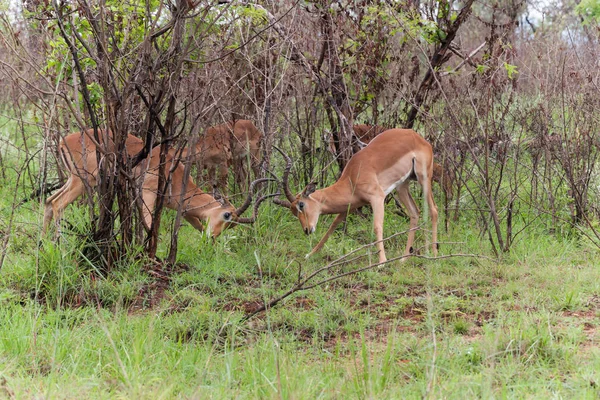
(248, 201)
(286, 174)
(252, 219)
(277, 200)
(283, 203)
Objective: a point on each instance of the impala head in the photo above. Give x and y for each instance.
(306, 209)
(220, 217)
(303, 206)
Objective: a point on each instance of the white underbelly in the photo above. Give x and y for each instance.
(398, 182)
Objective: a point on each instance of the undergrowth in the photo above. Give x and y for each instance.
(522, 326)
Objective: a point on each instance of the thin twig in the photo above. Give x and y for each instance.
(302, 284)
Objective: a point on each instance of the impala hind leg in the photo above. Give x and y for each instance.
(255, 164)
(433, 212)
(223, 171)
(211, 177)
(378, 206)
(148, 203)
(424, 174)
(242, 177)
(413, 212)
(56, 203)
(48, 211)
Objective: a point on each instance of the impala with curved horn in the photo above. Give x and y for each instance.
(78, 152)
(390, 161)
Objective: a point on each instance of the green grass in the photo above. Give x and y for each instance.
(523, 327)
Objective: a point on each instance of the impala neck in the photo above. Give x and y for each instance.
(333, 199)
(200, 203)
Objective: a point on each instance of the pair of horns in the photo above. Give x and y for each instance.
(244, 207)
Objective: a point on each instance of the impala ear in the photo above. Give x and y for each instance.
(309, 189)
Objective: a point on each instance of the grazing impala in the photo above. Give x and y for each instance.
(78, 151)
(389, 162)
(231, 144)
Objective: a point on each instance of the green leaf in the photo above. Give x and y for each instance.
(480, 69)
(511, 70)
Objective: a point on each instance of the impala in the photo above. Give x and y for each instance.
(363, 134)
(389, 162)
(226, 145)
(78, 152)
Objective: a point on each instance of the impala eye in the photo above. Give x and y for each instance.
(301, 206)
(227, 216)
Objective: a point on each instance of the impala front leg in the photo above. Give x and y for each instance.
(194, 221)
(339, 219)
